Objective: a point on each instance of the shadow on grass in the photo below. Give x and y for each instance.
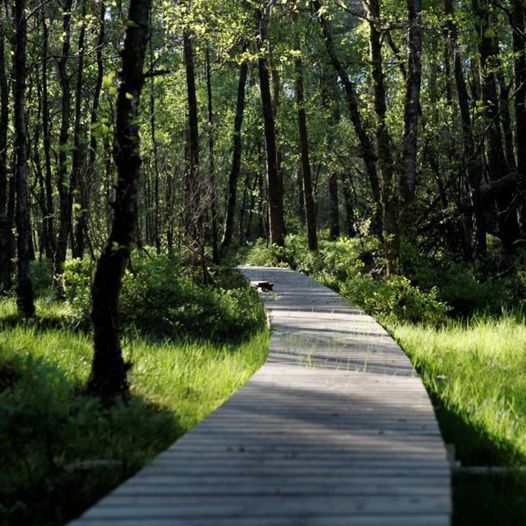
(473, 445)
(482, 500)
(489, 500)
(61, 451)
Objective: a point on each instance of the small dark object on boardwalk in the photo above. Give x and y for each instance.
(262, 286)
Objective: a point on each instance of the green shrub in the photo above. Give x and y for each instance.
(267, 255)
(41, 275)
(160, 301)
(77, 277)
(395, 299)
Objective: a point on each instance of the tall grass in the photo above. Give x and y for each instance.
(478, 371)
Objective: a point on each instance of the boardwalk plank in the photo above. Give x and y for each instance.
(336, 429)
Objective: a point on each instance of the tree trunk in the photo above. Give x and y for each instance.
(411, 111)
(153, 215)
(81, 229)
(349, 205)
(5, 230)
(308, 199)
(46, 142)
(236, 157)
(24, 289)
(509, 229)
(62, 170)
(472, 159)
(78, 181)
(383, 141)
(211, 160)
(518, 20)
(505, 113)
(335, 207)
(109, 371)
(194, 218)
(275, 190)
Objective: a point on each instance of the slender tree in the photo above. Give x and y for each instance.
(77, 183)
(411, 107)
(237, 145)
(518, 23)
(5, 231)
(473, 165)
(194, 212)
(46, 142)
(64, 190)
(383, 140)
(367, 151)
(275, 186)
(24, 289)
(109, 370)
(211, 158)
(308, 198)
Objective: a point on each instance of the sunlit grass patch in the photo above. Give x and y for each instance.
(476, 371)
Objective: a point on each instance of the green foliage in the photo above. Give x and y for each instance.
(351, 267)
(159, 300)
(77, 277)
(395, 298)
(264, 254)
(41, 275)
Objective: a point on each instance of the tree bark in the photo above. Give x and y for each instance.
(411, 111)
(24, 289)
(473, 164)
(383, 141)
(211, 160)
(194, 218)
(275, 190)
(518, 22)
(5, 230)
(335, 207)
(62, 170)
(308, 198)
(81, 228)
(153, 216)
(349, 205)
(509, 229)
(46, 142)
(237, 140)
(77, 184)
(109, 371)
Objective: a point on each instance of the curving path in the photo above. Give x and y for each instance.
(336, 429)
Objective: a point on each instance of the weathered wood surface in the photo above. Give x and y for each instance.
(336, 429)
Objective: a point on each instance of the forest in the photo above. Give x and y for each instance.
(147, 148)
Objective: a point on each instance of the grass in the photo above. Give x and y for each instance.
(49, 429)
(478, 371)
(476, 375)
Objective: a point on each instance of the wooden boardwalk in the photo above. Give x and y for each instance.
(336, 429)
